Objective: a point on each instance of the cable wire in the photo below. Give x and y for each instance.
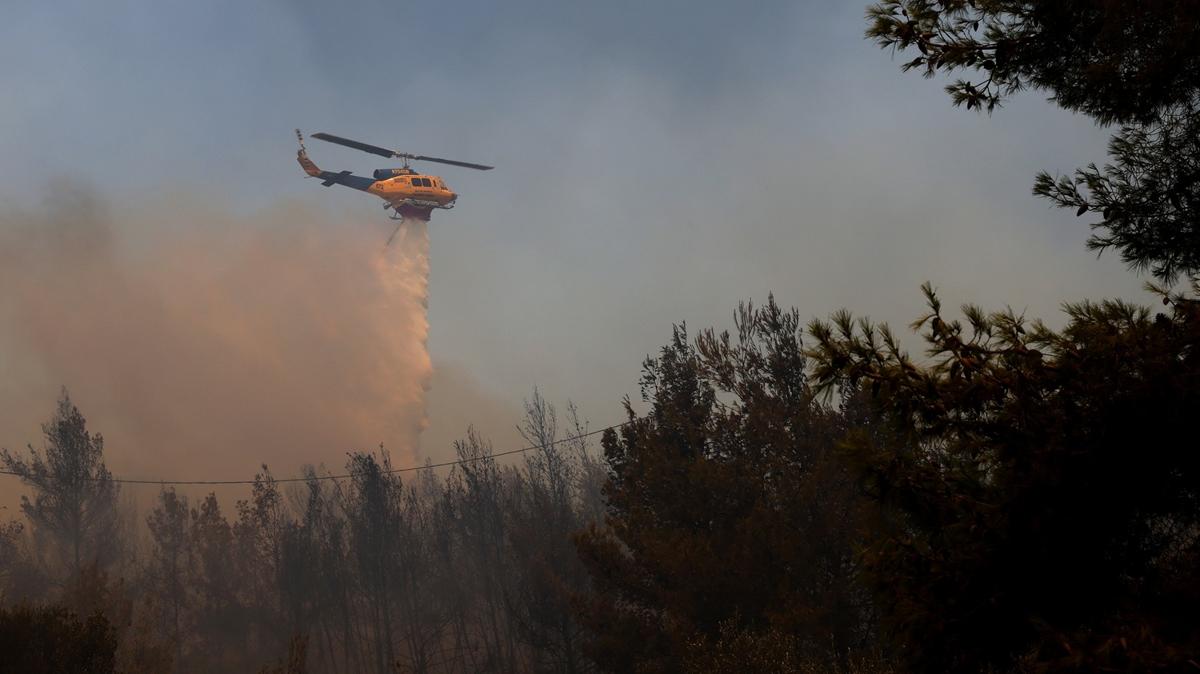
(342, 476)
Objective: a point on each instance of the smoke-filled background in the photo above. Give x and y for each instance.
(205, 343)
(655, 163)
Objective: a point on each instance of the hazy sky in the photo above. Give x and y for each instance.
(656, 162)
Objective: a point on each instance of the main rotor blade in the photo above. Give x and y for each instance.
(384, 152)
(479, 167)
(373, 149)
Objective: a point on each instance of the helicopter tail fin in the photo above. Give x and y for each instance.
(307, 164)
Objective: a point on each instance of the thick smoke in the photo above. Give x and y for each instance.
(204, 343)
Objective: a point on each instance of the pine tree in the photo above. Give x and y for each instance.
(170, 563)
(729, 512)
(73, 512)
(1037, 498)
(1131, 63)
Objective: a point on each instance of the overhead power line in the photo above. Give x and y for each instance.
(342, 476)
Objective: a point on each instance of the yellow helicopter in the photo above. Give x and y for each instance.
(406, 193)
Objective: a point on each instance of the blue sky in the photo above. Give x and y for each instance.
(656, 162)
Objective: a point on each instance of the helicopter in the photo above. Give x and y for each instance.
(408, 194)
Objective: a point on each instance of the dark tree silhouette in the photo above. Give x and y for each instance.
(10, 557)
(73, 513)
(728, 510)
(1038, 498)
(170, 562)
(1035, 503)
(1148, 198)
(545, 512)
(50, 640)
(218, 611)
(1114, 61)
(1133, 63)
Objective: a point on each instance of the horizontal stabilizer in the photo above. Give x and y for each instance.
(345, 178)
(331, 178)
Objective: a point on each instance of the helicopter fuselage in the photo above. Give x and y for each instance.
(411, 188)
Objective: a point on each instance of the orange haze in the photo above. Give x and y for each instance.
(202, 343)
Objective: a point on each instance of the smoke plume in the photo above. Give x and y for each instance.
(203, 343)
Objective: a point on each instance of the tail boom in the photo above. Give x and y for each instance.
(329, 177)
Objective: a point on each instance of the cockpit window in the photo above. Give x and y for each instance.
(426, 182)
